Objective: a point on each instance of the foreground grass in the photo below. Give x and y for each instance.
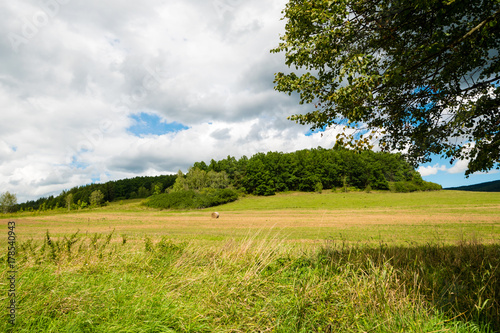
(103, 283)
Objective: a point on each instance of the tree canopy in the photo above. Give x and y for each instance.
(316, 169)
(424, 74)
(7, 202)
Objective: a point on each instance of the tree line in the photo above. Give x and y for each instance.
(137, 187)
(317, 169)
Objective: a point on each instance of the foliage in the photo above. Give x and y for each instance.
(262, 174)
(405, 186)
(198, 179)
(308, 170)
(112, 191)
(143, 192)
(180, 184)
(69, 201)
(157, 188)
(7, 202)
(422, 73)
(189, 199)
(305, 170)
(318, 187)
(96, 198)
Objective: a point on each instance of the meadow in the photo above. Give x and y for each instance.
(293, 262)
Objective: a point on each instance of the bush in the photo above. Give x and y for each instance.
(265, 190)
(191, 199)
(411, 186)
(428, 186)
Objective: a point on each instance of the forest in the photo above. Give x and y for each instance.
(262, 174)
(137, 187)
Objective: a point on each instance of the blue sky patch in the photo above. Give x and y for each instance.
(318, 130)
(75, 163)
(447, 179)
(152, 124)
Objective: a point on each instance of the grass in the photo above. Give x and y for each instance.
(376, 199)
(295, 263)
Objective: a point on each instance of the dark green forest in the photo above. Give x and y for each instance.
(493, 186)
(315, 169)
(264, 174)
(138, 187)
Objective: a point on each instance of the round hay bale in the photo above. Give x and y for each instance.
(215, 215)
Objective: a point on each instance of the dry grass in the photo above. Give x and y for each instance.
(410, 225)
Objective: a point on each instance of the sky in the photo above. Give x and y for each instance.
(94, 91)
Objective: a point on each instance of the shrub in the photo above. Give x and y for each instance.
(318, 187)
(191, 199)
(411, 186)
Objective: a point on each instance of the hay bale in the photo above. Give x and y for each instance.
(215, 215)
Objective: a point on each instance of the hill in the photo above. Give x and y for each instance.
(493, 186)
(308, 170)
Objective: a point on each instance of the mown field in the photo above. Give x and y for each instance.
(293, 262)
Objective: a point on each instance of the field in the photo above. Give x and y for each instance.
(293, 262)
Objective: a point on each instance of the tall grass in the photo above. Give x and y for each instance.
(106, 283)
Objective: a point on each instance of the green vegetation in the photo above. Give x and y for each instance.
(317, 169)
(96, 198)
(78, 197)
(190, 199)
(105, 283)
(293, 262)
(452, 201)
(310, 170)
(412, 186)
(7, 202)
(422, 75)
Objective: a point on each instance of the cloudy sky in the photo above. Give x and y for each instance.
(93, 91)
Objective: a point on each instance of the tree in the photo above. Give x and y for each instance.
(7, 202)
(180, 183)
(96, 198)
(422, 74)
(157, 188)
(69, 200)
(217, 180)
(143, 192)
(196, 179)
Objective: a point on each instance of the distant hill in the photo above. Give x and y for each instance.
(493, 186)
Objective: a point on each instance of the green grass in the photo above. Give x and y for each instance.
(295, 262)
(358, 200)
(97, 285)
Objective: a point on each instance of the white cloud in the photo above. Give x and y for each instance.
(431, 170)
(69, 83)
(459, 167)
(68, 89)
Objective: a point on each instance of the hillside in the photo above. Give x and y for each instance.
(493, 186)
